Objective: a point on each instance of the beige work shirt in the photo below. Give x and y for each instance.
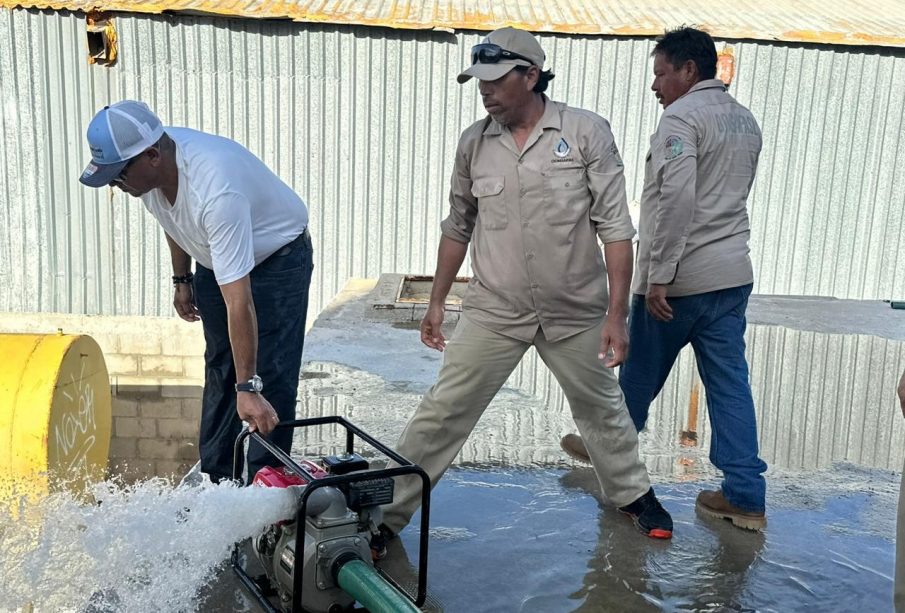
(693, 231)
(533, 218)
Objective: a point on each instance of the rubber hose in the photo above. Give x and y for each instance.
(362, 582)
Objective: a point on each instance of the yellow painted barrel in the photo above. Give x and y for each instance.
(55, 413)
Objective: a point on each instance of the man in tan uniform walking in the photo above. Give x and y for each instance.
(535, 184)
(693, 274)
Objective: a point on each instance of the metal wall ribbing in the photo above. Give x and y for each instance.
(363, 122)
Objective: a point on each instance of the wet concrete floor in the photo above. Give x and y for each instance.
(538, 541)
(517, 526)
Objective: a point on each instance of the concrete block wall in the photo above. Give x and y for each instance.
(156, 368)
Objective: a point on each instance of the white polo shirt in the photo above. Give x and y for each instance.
(231, 211)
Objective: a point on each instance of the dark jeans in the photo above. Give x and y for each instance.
(279, 286)
(714, 324)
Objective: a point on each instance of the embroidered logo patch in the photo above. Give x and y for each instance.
(561, 149)
(615, 151)
(674, 147)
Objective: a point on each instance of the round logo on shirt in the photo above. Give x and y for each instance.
(674, 147)
(561, 149)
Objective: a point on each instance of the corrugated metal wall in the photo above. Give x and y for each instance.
(363, 122)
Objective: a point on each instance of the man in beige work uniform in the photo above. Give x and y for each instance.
(693, 274)
(535, 184)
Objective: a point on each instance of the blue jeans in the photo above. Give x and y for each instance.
(714, 324)
(279, 287)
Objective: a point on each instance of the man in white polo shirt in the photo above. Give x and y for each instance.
(247, 232)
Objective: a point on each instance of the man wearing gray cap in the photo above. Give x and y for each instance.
(247, 232)
(536, 183)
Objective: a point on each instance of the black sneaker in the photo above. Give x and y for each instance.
(649, 516)
(379, 542)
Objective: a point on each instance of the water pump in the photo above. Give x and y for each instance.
(320, 561)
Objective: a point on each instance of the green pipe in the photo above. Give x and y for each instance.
(363, 583)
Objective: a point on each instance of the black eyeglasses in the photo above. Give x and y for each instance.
(488, 53)
(121, 177)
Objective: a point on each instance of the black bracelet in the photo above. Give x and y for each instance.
(186, 278)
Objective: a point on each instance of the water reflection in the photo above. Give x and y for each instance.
(518, 429)
(622, 571)
(721, 582)
(820, 398)
(542, 543)
(403, 569)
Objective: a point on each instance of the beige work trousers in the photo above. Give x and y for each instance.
(476, 364)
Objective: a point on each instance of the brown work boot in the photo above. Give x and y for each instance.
(574, 448)
(712, 503)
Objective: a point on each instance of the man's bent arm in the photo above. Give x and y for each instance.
(243, 336)
(183, 295)
(677, 165)
(243, 326)
(450, 256)
(182, 261)
(619, 265)
(614, 335)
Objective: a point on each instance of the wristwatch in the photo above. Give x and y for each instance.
(253, 385)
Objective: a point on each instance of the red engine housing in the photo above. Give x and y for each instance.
(270, 476)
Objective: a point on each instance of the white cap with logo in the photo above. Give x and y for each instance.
(117, 134)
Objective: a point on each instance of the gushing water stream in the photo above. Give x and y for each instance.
(151, 546)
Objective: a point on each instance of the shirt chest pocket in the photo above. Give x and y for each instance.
(568, 196)
(490, 194)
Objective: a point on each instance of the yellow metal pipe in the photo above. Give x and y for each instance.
(55, 414)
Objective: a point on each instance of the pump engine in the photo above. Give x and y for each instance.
(320, 561)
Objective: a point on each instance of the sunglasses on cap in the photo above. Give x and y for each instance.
(488, 53)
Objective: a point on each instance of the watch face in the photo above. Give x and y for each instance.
(255, 384)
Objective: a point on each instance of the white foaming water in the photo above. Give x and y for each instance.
(145, 547)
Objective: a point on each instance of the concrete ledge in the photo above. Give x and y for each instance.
(828, 315)
(138, 351)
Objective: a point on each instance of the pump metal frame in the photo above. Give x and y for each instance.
(405, 468)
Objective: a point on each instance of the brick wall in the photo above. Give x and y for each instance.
(156, 368)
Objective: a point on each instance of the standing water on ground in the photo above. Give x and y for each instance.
(151, 546)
